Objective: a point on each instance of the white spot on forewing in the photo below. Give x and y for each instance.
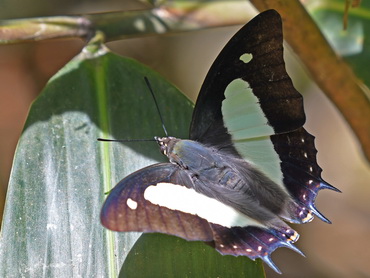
(246, 57)
(131, 204)
(181, 198)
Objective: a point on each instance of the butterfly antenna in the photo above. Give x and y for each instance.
(160, 116)
(156, 104)
(126, 140)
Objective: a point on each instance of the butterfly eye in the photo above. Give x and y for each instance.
(162, 142)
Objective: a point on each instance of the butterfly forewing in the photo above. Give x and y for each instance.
(265, 73)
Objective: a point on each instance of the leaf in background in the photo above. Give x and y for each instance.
(352, 43)
(51, 225)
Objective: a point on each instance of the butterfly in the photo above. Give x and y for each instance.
(249, 165)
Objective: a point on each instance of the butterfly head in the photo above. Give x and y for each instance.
(166, 144)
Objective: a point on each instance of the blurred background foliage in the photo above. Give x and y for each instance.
(338, 250)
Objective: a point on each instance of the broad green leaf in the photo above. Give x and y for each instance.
(158, 255)
(51, 225)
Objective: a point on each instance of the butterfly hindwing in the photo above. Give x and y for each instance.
(133, 205)
(126, 208)
(253, 242)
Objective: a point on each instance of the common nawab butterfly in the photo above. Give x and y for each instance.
(249, 164)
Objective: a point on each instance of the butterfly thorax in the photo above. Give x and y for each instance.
(189, 155)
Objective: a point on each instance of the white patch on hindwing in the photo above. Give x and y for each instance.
(249, 129)
(181, 198)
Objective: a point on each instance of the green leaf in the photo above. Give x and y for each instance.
(51, 225)
(163, 256)
(352, 43)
